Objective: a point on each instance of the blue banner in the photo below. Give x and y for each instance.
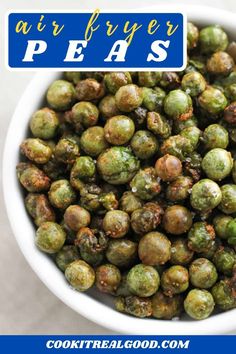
(97, 41)
(118, 344)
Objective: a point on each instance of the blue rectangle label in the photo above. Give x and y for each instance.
(121, 344)
(97, 41)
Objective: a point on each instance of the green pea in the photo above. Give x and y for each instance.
(212, 39)
(165, 307)
(175, 280)
(50, 237)
(178, 105)
(202, 273)
(61, 95)
(119, 130)
(199, 304)
(215, 136)
(228, 201)
(201, 236)
(143, 280)
(44, 123)
(80, 275)
(206, 195)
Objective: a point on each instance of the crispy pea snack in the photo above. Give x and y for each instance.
(130, 180)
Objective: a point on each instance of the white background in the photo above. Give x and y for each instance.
(26, 305)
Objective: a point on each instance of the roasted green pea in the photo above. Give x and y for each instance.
(220, 223)
(44, 123)
(223, 294)
(129, 202)
(175, 280)
(230, 92)
(158, 124)
(39, 208)
(145, 184)
(206, 195)
(144, 144)
(107, 107)
(128, 98)
(217, 164)
(202, 273)
(89, 90)
(80, 275)
(93, 141)
(122, 253)
(165, 307)
(225, 260)
(192, 35)
(50, 237)
(76, 217)
(61, 194)
(177, 145)
(231, 232)
(199, 304)
(143, 280)
(230, 113)
(149, 78)
(115, 80)
(180, 125)
(85, 113)
(220, 63)
(61, 95)
(92, 245)
(36, 150)
(119, 130)
(66, 151)
(181, 254)
(177, 220)
(134, 305)
(152, 99)
(228, 201)
(83, 169)
(108, 278)
(193, 134)
(168, 167)
(65, 256)
(117, 165)
(178, 105)
(147, 218)
(154, 249)
(32, 178)
(212, 39)
(193, 83)
(73, 76)
(116, 223)
(109, 201)
(201, 236)
(90, 197)
(215, 136)
(169, 80)
(180, 189)
(212, 101)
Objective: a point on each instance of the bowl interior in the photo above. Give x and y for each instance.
(93, 305)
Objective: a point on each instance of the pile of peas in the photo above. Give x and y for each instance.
(130, 179)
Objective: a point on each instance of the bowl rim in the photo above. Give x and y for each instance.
(89, 307)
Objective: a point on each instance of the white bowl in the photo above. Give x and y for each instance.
(94, 306)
